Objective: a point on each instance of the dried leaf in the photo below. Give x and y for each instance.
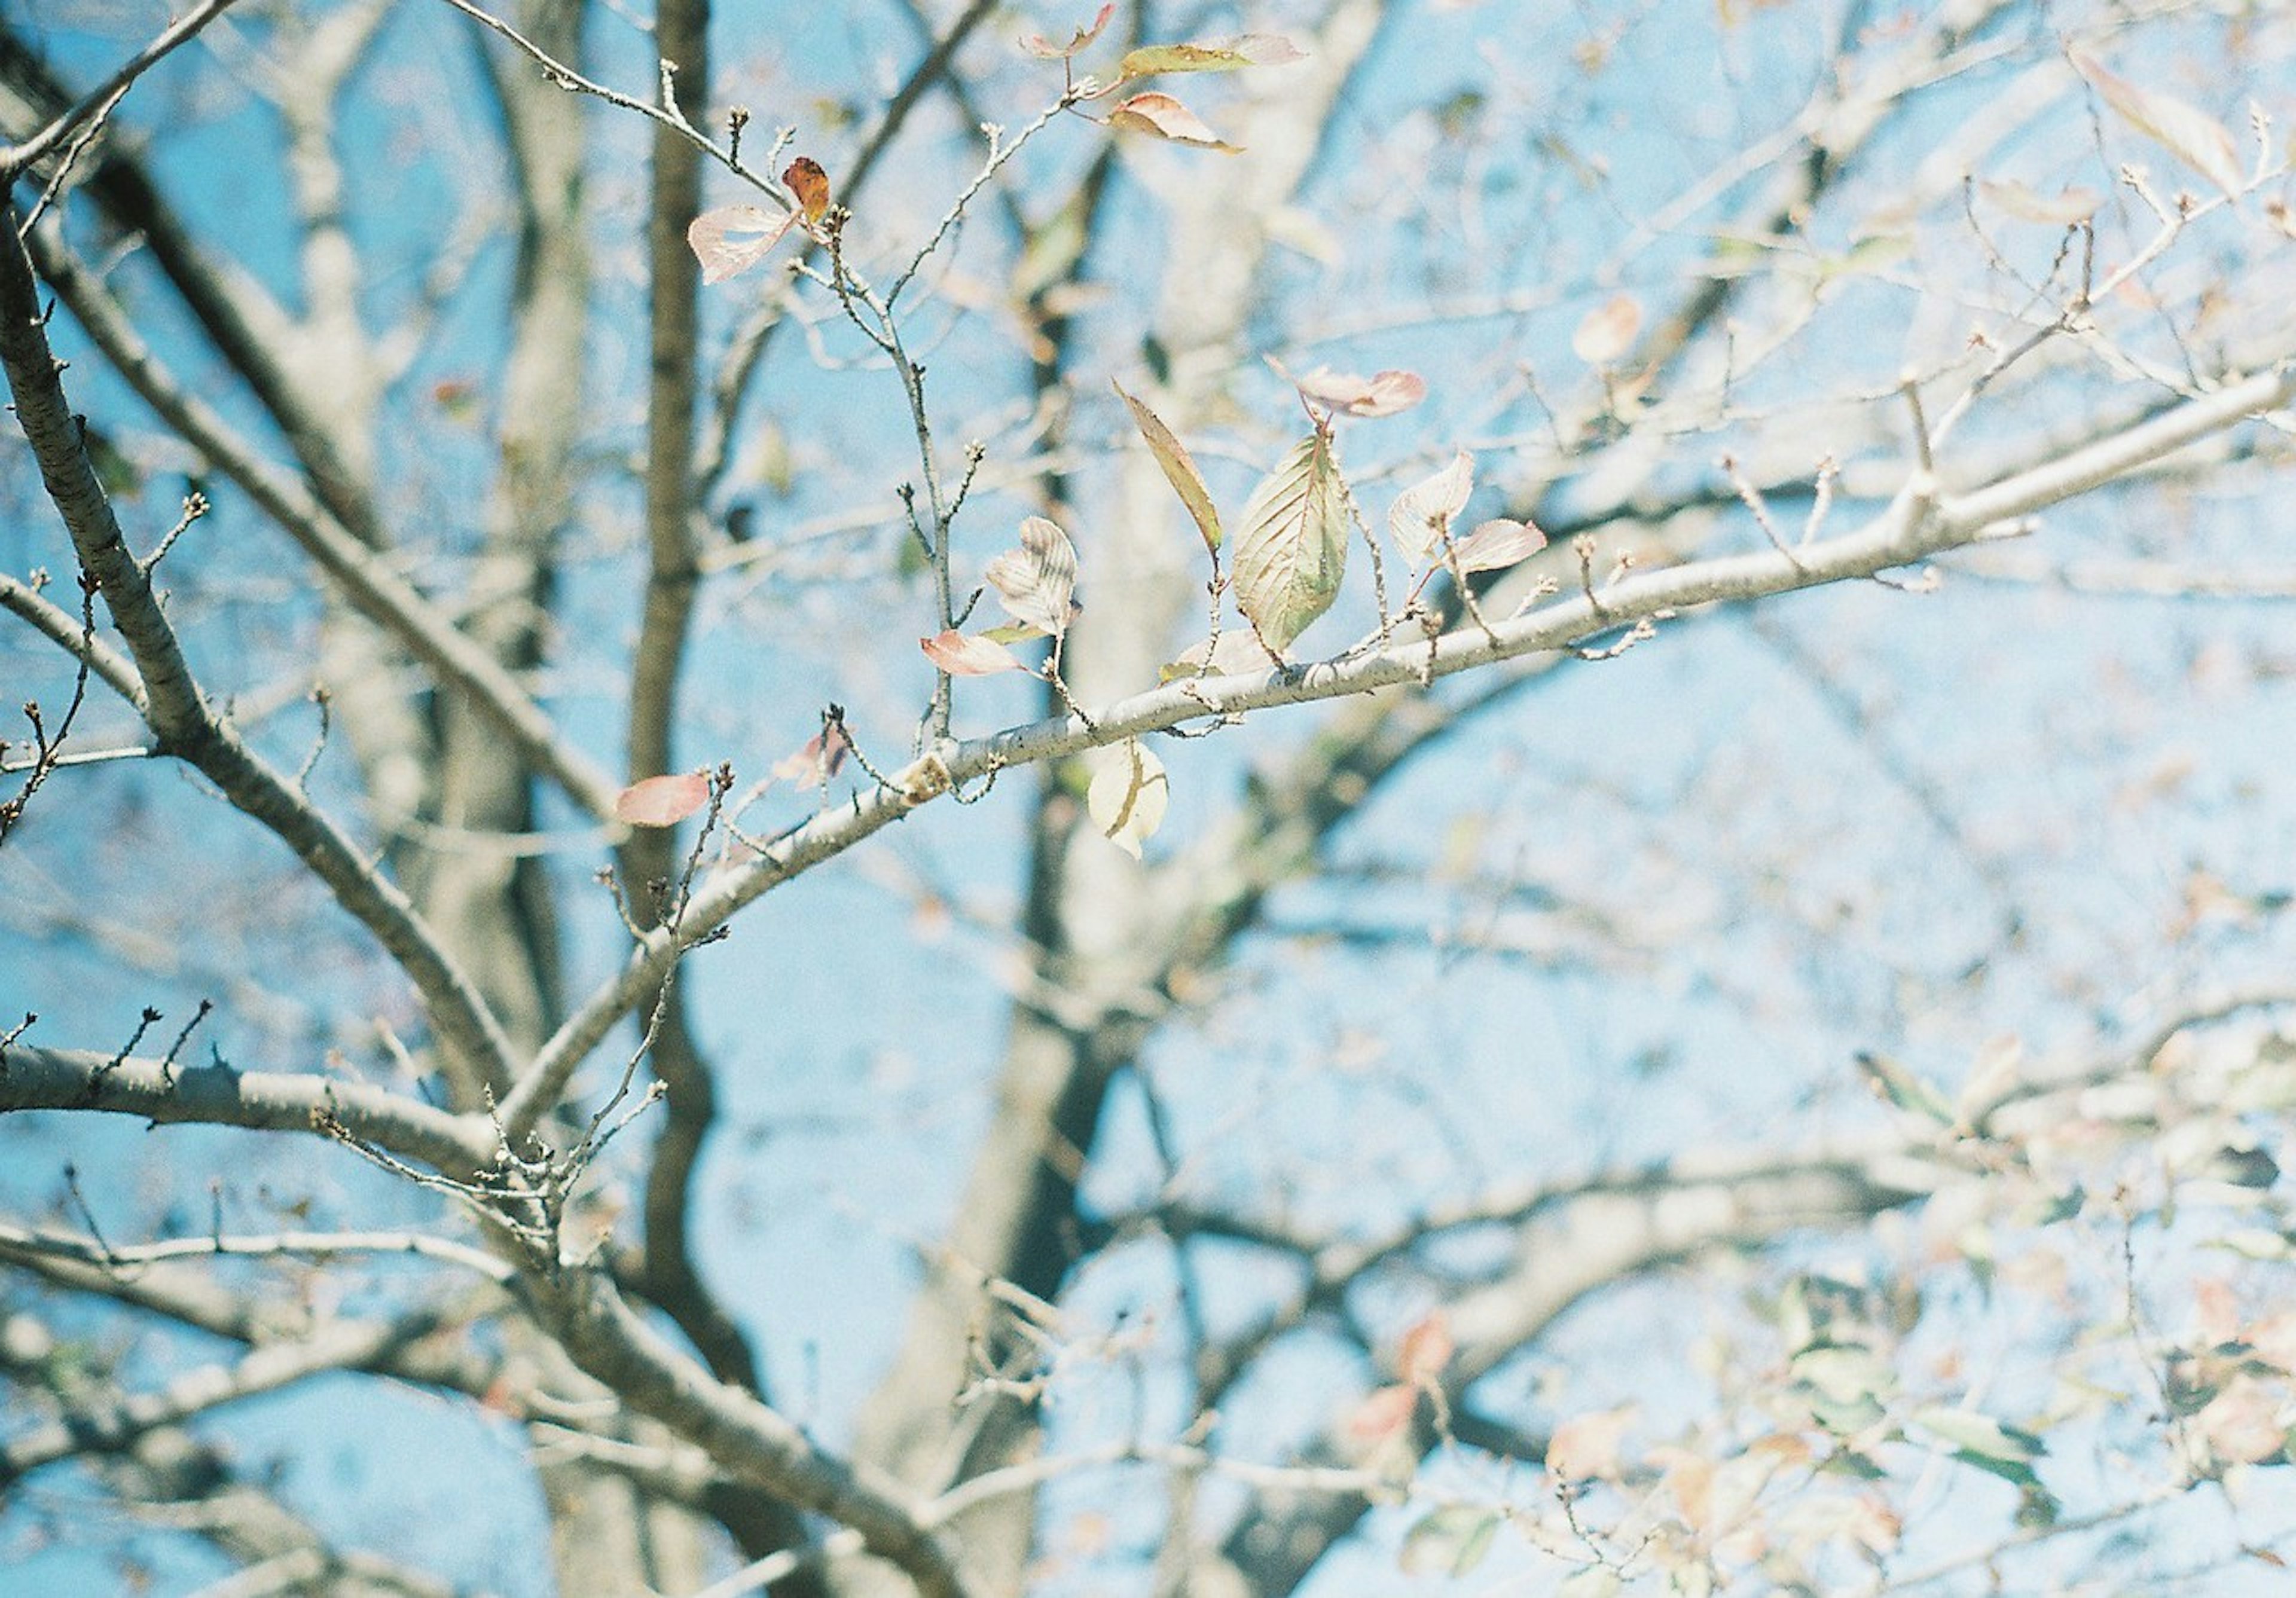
(1128, 795)
(733, 238)
(1036, 582)
(1497, 545)
(1426, 1348)
(1044, 49)
(1381, 394)
(1608, 330)
(1293, 548)
(1167, 119)
(2185, 131)
(1178, 467)
(2030, 205)
(810, 184)
(663, 801)
(964, 657)
(1424, 512)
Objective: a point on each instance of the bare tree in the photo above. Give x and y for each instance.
(1723, 1041)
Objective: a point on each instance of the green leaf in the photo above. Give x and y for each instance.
(1983, 1440)
(1904, 1089)
(1178, 467)
(1451, 1541)
(1293, 548)
(1252, 50)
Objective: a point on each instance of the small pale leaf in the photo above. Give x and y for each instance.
(1424, 512)
(2030, 205)
(1237, 652)
(1035, 583)
(1451, 1541)
(1293, 548)
(1178, 467)
(818, 760)
(1427, 1348)
(964, 657)
(1381, 394)
(1128, 795)
(733, 238)
(2185, 131)
(1386, 1411)
(1608, 330)
(1497, 545)
(1586, 1446)
(663, 801)
(1167, 119)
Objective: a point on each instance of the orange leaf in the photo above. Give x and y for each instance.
(663, 801)
(810, 184)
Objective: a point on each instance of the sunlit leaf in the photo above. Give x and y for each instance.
(1237, 652)
(1586, 1446)
(1264, 49)
(1039, 45)
(1381, 394)
(1128, 795)
(733, 238)
(964, 657)
(1424, 512)
(1608, 330)
(810, 184)
(1251, 50)
(1035, 583)
(1167, 119)
(1980, 1435)
(2185, 131)
(663, 801)
(1179, 468)
(1595, 1581)
(1451, 1541)
(1293, 548)
(2030, 205)
(1904, 1089)
(1497, 545)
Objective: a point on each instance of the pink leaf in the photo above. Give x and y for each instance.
(1044, 49)
(663, 801)
(1497, 545)
(1167, 119)
(1384, 1413)
(1586, 1446)
(819, 760)
(1423, 513)
(964, 657)
(733, 238)
(1427, 1348)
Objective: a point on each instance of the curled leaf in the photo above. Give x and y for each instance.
(1178, 467)
(1497, 545)
(1381, 394)
(964, 657)
(1128, 795)
(1035, 583)
(1044, 49)
(1293, 548)
(810, 184)
(1424, 512)
(733, 238)
(663, 801)
(1167, 119)
(1608, 330)
(2185, 131)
